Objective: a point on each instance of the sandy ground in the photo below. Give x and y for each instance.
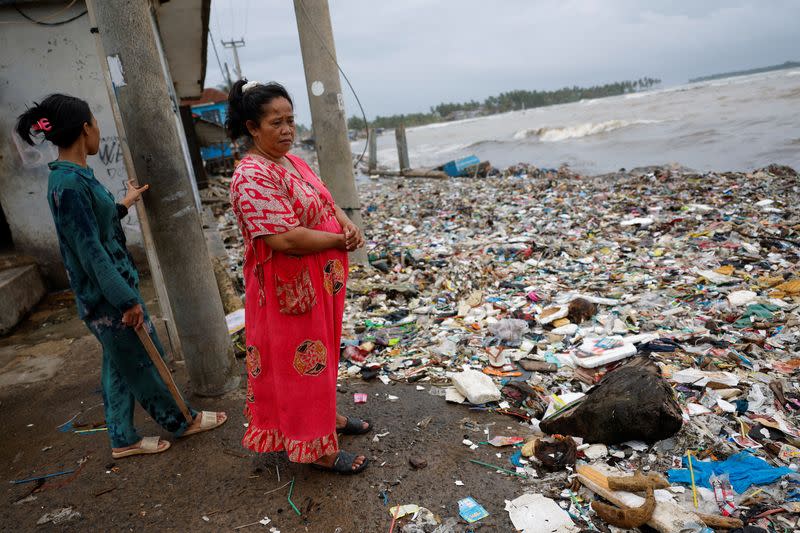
(208, 482)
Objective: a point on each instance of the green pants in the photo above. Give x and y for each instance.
(129, 376)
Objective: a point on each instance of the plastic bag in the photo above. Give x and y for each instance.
(509, 329)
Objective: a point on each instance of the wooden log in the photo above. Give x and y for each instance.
(414, 173)
(402, 146)
(373, 150)
(668, 517)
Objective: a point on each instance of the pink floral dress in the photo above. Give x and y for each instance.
(293, 310)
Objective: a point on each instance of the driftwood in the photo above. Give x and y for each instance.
(628, 518)
(413, 173)
(638, 482)
(667, 517)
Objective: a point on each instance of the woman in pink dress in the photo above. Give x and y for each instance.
(295, 273)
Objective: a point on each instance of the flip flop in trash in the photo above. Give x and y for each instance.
(208, 421)
(344, 464)
(147, 446)
(355, 426)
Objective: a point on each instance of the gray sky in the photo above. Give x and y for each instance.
(406, 56)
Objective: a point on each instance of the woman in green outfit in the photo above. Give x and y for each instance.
(103, 277)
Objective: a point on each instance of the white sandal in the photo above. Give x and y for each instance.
(148, 445)
(208, 421)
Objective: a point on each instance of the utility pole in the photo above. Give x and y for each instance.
(228, 76)
(402, 147)
(235, 45)
(138, 88)
(372, 142)
(327, 108)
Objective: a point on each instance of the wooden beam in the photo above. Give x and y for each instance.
(668, 517)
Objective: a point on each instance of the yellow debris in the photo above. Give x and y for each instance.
(726, 270)
(770, 281)
(790, 287)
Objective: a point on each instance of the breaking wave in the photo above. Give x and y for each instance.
(586, 129)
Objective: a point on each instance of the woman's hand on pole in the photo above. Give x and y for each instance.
(133, 317)
(134, 194)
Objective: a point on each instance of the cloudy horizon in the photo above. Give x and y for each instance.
(407, 57)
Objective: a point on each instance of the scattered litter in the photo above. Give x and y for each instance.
(627, 319)
(470, 510)
(59, 516)
(534, 513)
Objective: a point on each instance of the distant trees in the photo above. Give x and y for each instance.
(508, 101)
(787, 64)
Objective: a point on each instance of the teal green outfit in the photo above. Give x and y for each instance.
(106, 284)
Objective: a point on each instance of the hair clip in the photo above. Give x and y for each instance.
(42, 125)
(249, 85)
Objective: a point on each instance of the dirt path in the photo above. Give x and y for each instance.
(212, 476)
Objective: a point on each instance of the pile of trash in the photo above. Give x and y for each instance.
(643, 328)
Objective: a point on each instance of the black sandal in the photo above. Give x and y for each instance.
(355, 426)
(343, 464)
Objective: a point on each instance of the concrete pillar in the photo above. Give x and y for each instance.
(402, 147)
(148, 125)
(327, 108)
(373, 150)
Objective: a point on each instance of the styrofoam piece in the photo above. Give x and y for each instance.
(715, 277)
(476, 386)
(740, 298)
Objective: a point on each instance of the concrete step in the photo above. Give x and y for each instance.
(21, 288)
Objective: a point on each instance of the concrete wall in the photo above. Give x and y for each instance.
(34, 62)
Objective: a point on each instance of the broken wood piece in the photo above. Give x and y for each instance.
(638, 482)
(719, 521)
(627, 518)
(538, 366)
(667, 517)
(414, 173)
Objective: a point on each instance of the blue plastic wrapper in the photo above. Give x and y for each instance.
(470, 510)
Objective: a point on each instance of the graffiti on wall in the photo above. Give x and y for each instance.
(111, 170)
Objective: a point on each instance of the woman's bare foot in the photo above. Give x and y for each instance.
(341, 422)
(326, 461)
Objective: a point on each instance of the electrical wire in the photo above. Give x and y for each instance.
(246, 16)
(325, 46)
(221, 70)
(43, 23)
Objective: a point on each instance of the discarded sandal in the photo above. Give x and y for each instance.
(355, 426)
(343, 464)
(208, 421)
(147, 446)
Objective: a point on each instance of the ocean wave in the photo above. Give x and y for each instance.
(577, 131)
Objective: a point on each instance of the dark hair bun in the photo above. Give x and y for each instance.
(62, 116)
(249, 105)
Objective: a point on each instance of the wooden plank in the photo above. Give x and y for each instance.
(668, 517)
(413, 173)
